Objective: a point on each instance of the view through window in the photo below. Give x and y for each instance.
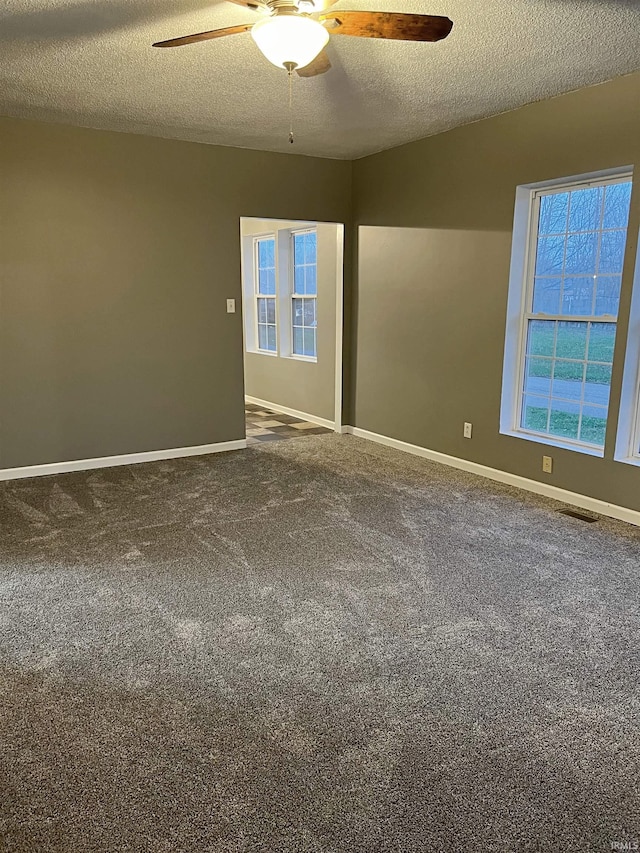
(573, 291)
(304, 297)
(265, 279)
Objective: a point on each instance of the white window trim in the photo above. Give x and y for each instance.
(293, 295)
(520, 297)
(627, 447)
(255, 344)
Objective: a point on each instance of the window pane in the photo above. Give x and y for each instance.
(553, 213)
(571, 340)
(266, 266)
(298, 248)
(598, 383)
(266, 253)
(567, 379)
(567, 385)
(309, 312)
(271, 311)
(535, 413)
(538, 376)
(267, 281)
(594, 425)
(585, 208)
(546, 295)
(612, 251)
(267, 337)
(616, 206)
(540, 339)
(298, 279)
(310, 342)
(581, 253)
(550, 255)
(310, 248)
(607, 295)
(577, 295)
(296, 313)
(601, 342)
(565, 419)
(311, 286)
(298, 342)
(262, 310)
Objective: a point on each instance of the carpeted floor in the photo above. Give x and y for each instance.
(318, 646)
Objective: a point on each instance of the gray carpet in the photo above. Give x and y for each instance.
(316, 646)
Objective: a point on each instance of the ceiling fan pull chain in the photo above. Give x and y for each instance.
(290, 72)
(291, 105)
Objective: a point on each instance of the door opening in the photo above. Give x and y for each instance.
(292, 308)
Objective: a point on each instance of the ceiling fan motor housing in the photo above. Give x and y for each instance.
(288, 7)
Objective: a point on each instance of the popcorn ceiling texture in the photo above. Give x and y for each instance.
(313, 646)
(90, 63)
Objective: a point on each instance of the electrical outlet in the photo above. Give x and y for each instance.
(547, 464)
(467, 430)
(231, 306)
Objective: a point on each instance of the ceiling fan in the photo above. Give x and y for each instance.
(293, 34)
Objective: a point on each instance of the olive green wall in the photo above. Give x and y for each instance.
(117, 255)
(305, 386)
(430, 300)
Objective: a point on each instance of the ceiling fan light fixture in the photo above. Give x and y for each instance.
(288, 40)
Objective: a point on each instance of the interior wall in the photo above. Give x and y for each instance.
(431, 287)
(305, 386)
(117, 255)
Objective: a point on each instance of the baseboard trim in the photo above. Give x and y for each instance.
(545, 489)
(294, 413)
(114, 461)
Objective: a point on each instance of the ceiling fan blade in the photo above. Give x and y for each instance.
(387, 25)
(211, 34)
(320, 65)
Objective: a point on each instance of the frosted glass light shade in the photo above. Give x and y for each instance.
(290, 38)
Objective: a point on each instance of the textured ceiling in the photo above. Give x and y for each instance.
(90, 63)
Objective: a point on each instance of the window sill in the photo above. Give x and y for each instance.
(628, 460)
(552, 442)
(262, 352)
(308, 358)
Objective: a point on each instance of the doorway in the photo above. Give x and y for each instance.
(292, 308)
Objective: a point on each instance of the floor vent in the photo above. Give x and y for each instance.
(579, 515)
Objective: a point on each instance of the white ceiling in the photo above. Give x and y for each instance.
(90, 63)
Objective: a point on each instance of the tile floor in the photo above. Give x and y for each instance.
(263, 425)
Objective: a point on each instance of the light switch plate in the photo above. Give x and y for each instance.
(231, 306)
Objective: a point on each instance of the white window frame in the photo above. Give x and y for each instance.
(627, 447)
(293, 295)
(520, 303)
(257, 239)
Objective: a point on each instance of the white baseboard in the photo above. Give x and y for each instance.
(294, 413)
(113, 461)
(573, 498)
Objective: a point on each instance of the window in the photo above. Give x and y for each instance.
(568, 310)
(280, 285)
(304, 294)
(265, 293)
